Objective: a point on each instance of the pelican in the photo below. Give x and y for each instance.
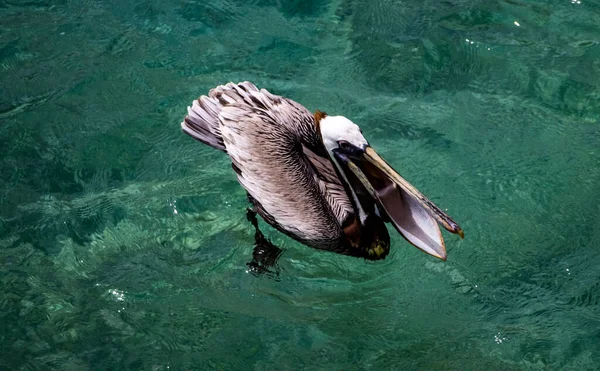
(314, 177)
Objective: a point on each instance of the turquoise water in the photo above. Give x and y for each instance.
(124, 243)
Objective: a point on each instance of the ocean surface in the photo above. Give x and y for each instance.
(124, 242)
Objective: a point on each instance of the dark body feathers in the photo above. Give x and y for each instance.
(279, 158)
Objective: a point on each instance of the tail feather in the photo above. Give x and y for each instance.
(202, 120)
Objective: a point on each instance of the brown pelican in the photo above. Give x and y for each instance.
(314, 177)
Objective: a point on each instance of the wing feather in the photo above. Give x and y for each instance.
(267, 138)
(260, 132)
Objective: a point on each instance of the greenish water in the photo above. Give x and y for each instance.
(124, 243)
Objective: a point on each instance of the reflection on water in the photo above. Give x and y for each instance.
(124, 243)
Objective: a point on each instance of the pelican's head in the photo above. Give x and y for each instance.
(339, 132)
(372, 181)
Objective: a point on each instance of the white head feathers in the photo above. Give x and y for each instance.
(339, 128)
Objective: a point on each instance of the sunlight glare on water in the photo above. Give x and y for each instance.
(124, 243)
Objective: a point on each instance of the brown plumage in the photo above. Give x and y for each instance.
(277, 152)
(314, 177)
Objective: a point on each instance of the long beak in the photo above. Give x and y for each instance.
(414, 216)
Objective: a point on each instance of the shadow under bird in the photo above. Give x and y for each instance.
(315, 177)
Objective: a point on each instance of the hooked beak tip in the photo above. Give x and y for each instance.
(461, 233)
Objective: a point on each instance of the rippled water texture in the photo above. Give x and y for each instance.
(124, 242)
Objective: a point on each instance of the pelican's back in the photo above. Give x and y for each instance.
(273, 144)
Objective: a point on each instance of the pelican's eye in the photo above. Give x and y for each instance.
(344, 145)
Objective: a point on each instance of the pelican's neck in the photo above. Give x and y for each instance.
(362, 215)
(326, 126)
